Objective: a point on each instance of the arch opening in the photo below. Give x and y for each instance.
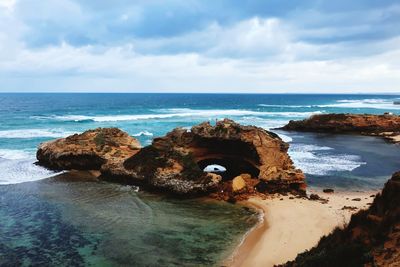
(234, 167)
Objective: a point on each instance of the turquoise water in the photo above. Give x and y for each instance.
(50, 223)
(100, 224)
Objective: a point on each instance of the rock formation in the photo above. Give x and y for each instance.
(372, 237)
(175, 162)
(386, 125)
(88, 151)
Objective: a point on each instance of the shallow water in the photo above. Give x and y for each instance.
(101, 224)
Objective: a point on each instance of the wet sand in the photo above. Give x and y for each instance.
(292, 225)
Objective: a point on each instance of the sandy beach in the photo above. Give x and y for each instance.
(293, 225)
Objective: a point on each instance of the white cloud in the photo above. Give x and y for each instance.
(254, 55)
(7, 4)
(119, 68)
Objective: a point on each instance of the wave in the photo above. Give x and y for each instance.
(34, 133)
(315, 160)
(374, 103)
(18, 166)
(286, 106)
(143, 133)
(180, 113)
(13, 154)
(285, 138)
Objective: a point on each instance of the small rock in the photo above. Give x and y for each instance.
(349, 208)
(314, 197)
(261, 187)
(238, 184)
(356, 199)
(328, 190)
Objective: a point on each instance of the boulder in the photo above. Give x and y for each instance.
(328, 190)
(238, 184)
(88, 151)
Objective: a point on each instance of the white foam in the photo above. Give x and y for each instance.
(17, 167)
(143, 133)
(285, 138)
(13, 154)
(34, 133)
(316, 161)
(286, 106)
(181, 113)
(364, 103)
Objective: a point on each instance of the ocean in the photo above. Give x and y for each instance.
(104, 224)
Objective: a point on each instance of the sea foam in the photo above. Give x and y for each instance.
(18, 166)
(318, 160)
(180, 113)
(34, 133)
(364, 103)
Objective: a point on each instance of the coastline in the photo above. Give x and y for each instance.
(296, 221)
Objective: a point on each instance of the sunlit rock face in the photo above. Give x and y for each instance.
(88, 151)
(177, 160)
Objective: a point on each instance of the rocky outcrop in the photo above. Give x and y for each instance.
(88, 151)
(372, 237)
(176, 161)
(386, 125)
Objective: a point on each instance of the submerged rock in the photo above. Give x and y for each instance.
(372, 237)
(386, 125)
(87, 151)
(176, 161)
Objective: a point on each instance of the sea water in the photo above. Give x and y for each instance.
(106, 224)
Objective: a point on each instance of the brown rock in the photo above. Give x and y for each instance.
(238, 184)
(328, 190)
(240, 149)
(245, 176)
(314, 197)
(176, 161)
(387, 125)
(88, 151)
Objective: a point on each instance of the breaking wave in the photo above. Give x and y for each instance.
(34, 133)
(180, 113)
(143, 133)
(364, 103)
(18, 166)
(317, 160)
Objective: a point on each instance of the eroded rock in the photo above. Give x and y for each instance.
(88, 151)
(175, 162)
(386, 125)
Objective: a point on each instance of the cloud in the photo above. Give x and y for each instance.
(254, 46)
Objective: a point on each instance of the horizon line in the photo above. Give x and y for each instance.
(203, 93)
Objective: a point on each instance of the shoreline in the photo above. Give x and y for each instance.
(296, 221)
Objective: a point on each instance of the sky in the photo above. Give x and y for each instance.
(248, 46)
